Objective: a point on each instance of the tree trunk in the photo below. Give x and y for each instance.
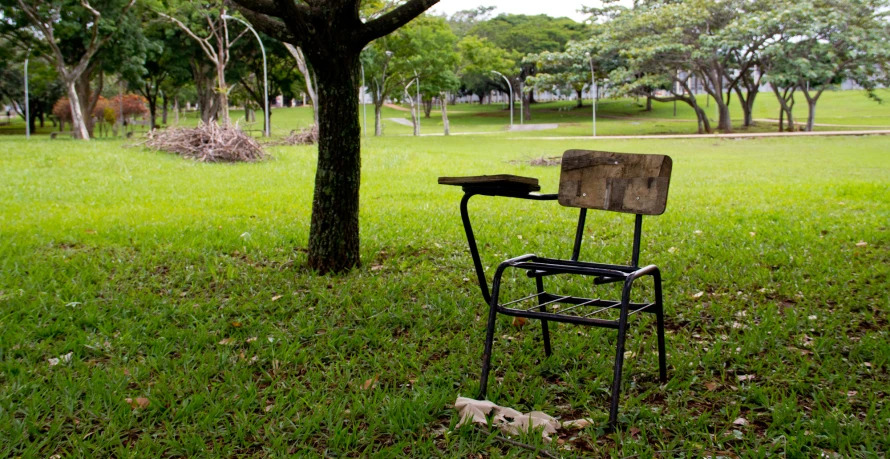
(580, 93)
(444, 99)
(176, 109)
(428, 107)
(153, 112)
(78, 126)
(527, 111)
(378, 122)
(164, 110)
(415, 114)
(311, 90)
(334, 231)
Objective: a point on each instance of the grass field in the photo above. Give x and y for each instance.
(843, 110)
(184, 284)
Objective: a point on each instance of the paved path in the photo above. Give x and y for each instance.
(798, 123)
(532, 127)
(402, 121)
(740, 135)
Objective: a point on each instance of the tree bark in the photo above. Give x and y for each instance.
(784, 106)
(334, 231)
(444, 100)
(648, 102)
(78, 126)
(378, 122)
(311, 90)
(580, 93)
(415, 113)
(164, 110)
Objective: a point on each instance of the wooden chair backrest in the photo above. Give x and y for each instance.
(618, 182)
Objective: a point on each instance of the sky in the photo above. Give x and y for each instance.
(556, 8)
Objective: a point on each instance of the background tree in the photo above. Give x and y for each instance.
(74, 33)
(44, 87)
(332, 34)
(206, 25)
(478, 57)
(832, 41)
(165, 69)
(525, 35)
(430, 47)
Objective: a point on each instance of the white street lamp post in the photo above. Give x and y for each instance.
(267, 131)
(511, 95)
(27, 104)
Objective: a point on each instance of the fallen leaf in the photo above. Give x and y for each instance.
(752, 233)
(634, 432)
(90, 231)
(743, 378)
(236, 324)
(867, 364)
(370, 382)
(672, 250)
(52, 362)
(698, 295)
(861, 244)
(577, 423)
(268, 408)
(251, 339)
(376, 267)
(138, 402)
(852, 393)
(520, 322)
(276, 297)
(227, 341)
(711, 386)
(740, 422)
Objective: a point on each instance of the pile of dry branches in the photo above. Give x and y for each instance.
(306, 136)
(207, 143)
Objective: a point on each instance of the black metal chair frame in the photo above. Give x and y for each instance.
(540, 267)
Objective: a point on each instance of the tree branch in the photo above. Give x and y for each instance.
(208, 50)
(268, 25)
(266, 7)
(391, 21)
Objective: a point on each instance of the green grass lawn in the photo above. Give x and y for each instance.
(845, 109)
(184, 284)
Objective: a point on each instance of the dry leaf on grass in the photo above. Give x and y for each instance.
(711, 386)
(276, 297)
(370, 382)
(227, 341)
(743, 378)
(138, 402)
(520, 322)
(861, 244)
(740, 422)
(509, 420)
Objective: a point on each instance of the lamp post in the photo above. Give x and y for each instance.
(267, 130)
(27, 104)
(511, 95)
(593, 86)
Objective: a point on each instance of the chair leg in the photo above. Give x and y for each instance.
(659, 319)
(544, 327)
(619, 358)
(486, 352)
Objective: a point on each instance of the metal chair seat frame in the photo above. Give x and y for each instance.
(580, 310)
